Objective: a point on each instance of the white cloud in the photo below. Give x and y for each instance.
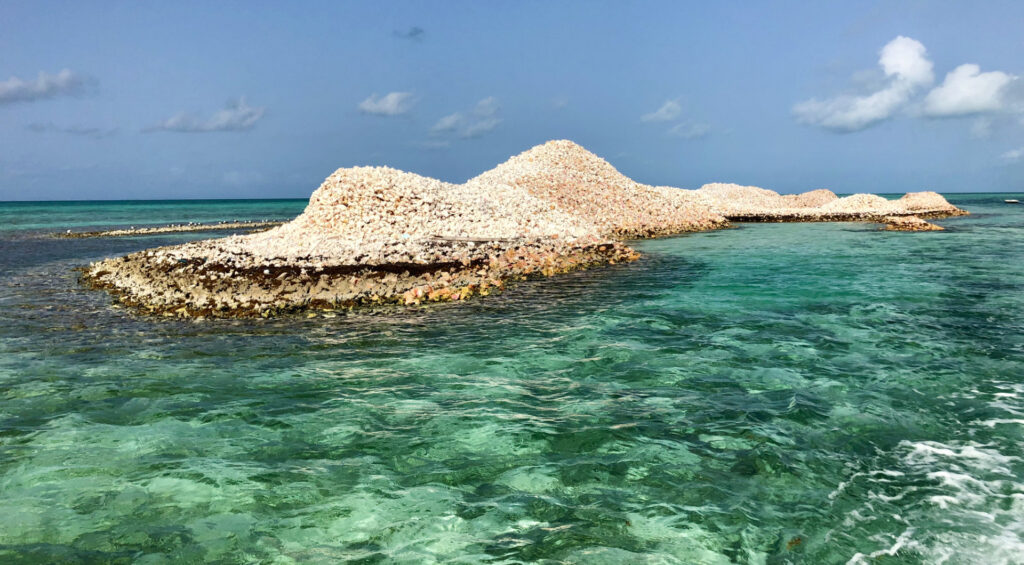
(44, 86)
(236, 116)
(669, 111)
(689, 130)
(906, 65)
(450, 122)
(391, 104)
(487, 107)
(481, 119)
(672, 110)
(1013, 155)
(478, 128)
(966, 90)
(851, 113)
(906, 59)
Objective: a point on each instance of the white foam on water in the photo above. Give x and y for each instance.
(975, 455)
(1002, 404)
(997, 421)
(941, 502)
(844, 484)
(903, 540)
(974, 482)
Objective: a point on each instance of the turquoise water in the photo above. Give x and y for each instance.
(776, 393)
(59, 216)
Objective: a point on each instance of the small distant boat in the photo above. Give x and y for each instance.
(1012, 201)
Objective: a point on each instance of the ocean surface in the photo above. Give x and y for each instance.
(775, 393)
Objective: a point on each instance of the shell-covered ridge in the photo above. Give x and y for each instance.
(375, 215)
(753, 203)
(575, 180)
(377, 234)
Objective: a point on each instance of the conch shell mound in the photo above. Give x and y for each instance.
(372, 235)
(574, 180)
(753, 204)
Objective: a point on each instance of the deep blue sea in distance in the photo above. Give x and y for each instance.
(776, 393)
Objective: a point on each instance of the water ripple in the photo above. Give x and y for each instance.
(772, 394)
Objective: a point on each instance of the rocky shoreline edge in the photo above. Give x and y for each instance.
(866, 217)
(374, 235)
(910, 223)
(199, 288)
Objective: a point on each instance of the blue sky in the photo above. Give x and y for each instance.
(236, 100)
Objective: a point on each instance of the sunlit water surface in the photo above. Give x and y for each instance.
(789, 393)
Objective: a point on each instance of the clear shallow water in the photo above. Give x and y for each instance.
(58, 216)
(788, 393)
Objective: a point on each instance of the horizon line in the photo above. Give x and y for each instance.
(307, 198)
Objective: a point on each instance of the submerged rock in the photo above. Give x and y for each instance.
(909, 223)
(228, 287)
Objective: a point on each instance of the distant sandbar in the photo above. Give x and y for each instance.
(249, 226)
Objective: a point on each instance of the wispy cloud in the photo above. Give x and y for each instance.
(1013, 155)
(414, 33)
(479, 128)
(93, 132)
(391, 104)
(668, 111)
(450, 122)
(907, 68)
(966, 91)
(690, 130)
(480, 120)
(486, 108)
(672, 110)
(236, 116)
(64, 83)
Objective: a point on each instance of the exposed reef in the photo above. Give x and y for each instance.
(159, 284)
(909, 223)
(373, 235)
